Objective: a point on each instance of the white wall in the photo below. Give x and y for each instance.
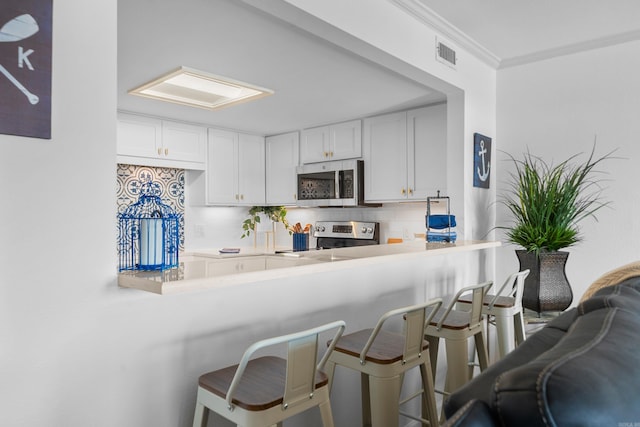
(556, 108)
(58, 326)
(77, 350)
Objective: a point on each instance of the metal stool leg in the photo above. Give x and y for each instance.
(457, 364)
(366, 399)
(518, 326)
(505, 332)
(325, 414)
(481, 349)
(429, 409)
(385, 397)
(201, 415)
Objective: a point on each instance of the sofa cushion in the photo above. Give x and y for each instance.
(481, 387)
(474, 413)
(590, 378)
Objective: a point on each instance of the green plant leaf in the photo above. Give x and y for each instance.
(275, 213)
(548, 201)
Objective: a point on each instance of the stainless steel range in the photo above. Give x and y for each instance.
(342, 234)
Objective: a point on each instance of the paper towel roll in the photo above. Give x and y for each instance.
(151, 243)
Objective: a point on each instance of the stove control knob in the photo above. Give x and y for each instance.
(363, 230)
(369, 230)
(321, 228)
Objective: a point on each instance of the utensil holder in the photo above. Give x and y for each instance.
(300, 242)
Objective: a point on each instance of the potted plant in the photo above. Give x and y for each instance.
(256, 213)
(547, 203)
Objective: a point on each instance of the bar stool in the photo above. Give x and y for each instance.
(382, 357)
(505, 312)
(456, 326)
(264, 391)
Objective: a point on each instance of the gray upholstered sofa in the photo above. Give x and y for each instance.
(581, 369)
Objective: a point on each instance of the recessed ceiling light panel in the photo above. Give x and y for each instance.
(200, 89)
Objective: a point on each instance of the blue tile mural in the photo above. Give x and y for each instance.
(130, 179)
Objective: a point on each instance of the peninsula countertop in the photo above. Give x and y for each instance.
(209, 269)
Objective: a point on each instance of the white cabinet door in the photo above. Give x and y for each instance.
(427, 151)
(345, 140)
(222, 167)
(405, 155)
(184, 142)
(251, 176)
(314, 145)
(281, 163)
(139, 136)
(385, 157)
(235, 169)
(335, 142)
(149, 141)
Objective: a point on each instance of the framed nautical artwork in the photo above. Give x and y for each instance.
(481, 160)
(25, 67)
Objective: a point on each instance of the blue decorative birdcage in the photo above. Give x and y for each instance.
(148, 233)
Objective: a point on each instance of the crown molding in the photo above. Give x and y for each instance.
(425, 14)
(571, 49)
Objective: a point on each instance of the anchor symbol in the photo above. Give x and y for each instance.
(486, 166)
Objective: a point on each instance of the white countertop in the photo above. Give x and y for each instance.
(208, 269)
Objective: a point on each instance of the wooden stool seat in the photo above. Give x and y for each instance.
(261, 385)
(454, 320)
(501, 301)
(386, 349)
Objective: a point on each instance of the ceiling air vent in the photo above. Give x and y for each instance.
(445, 54)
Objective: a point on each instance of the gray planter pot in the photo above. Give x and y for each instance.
(546, 288)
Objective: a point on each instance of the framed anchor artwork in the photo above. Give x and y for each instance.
(481, 160)
(25, 67)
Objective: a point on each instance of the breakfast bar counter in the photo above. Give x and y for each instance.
(209, 269)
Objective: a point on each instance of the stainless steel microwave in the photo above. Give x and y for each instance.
(339, 183)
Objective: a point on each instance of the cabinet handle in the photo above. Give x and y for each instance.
(236, 197)
(326, 154)
(166, 151)
(242, 197)
(410, 192)
(159, 151)
(330, 153)
(403, 192)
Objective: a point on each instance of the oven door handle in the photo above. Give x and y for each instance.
(337, 186)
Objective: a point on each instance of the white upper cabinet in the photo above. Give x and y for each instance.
(281, 154)
(139, 136)
(335, 142)
(184, 142)
(427, 148)
(149, 141)
(385, 157)
(235, 169)
(222, 168)
(405, 155)
(251, 170)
